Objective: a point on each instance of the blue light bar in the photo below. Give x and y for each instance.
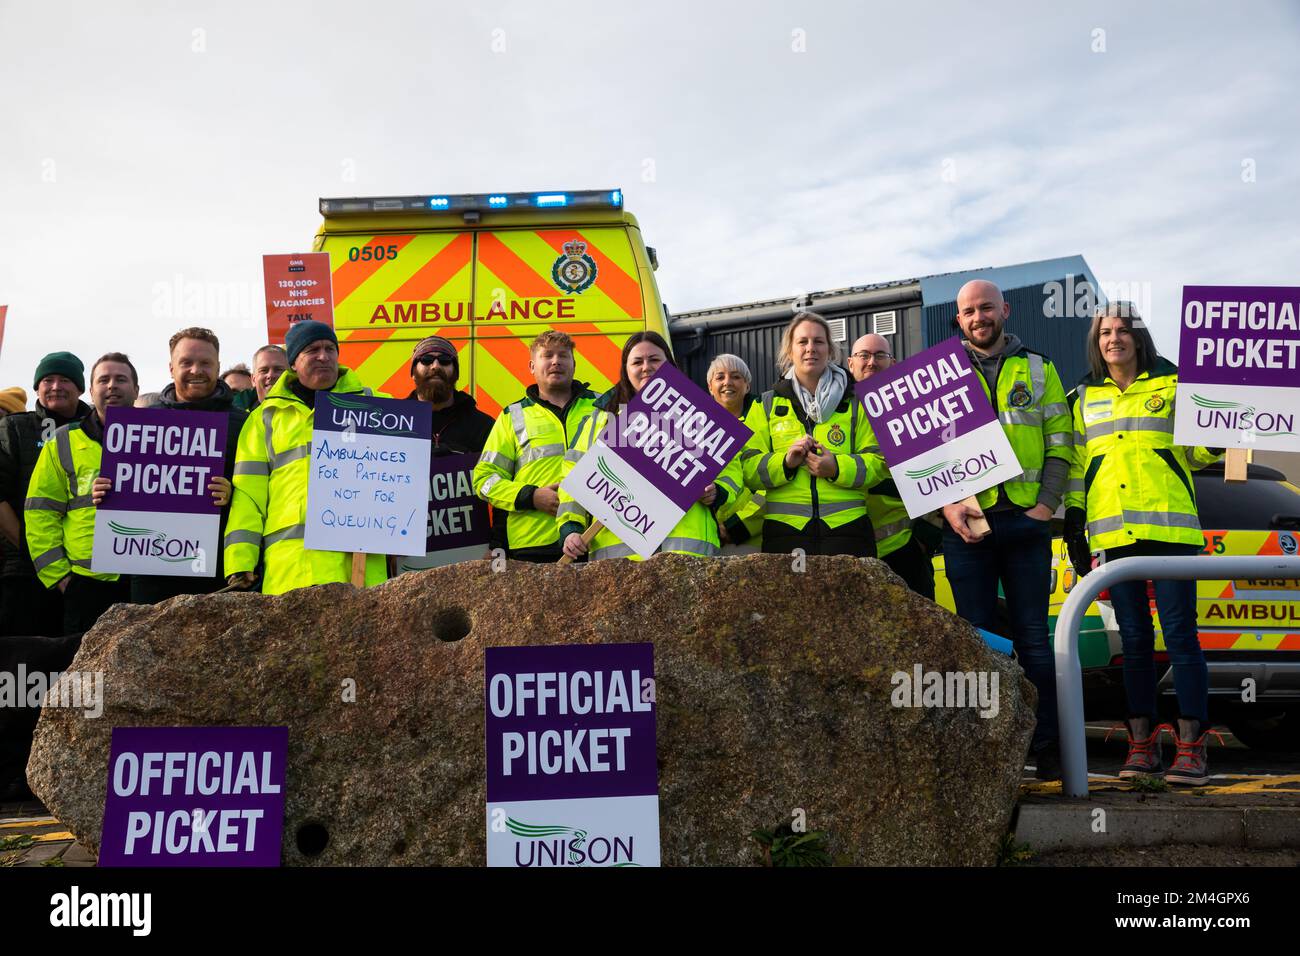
(465, 203)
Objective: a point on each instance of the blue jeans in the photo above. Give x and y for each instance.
(1019, 554)
(1176, 601)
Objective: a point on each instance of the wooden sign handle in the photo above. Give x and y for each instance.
(358, 569)
(1235, 462)
(980, 525)
(587, 536)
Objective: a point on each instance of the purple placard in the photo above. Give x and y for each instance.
(924, 401)
(574, 671)
(1221, 345)
(150, 770)
(162, 459)
(676, 436)
(368, 415)
(458, 518)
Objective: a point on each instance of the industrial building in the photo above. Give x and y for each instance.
(1050, 309)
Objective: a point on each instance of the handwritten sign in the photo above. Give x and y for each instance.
(160, 518)
(572, 777)
(368, 474)
(936, 428)
(298, 289)
(1239, 368)
(654, 459)
(458, 527)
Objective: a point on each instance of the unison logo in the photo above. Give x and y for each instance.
(606, 482)
(568, 846)
(1213, 413)
(150, 543)
(948, 473)
(359, 414)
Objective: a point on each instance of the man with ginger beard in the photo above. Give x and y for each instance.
(194, 359)
(458, 424)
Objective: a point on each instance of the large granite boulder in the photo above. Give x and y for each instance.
(777, 692)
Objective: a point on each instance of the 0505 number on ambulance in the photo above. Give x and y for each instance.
(489, 272)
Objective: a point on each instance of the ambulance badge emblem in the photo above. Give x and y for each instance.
(574, 271)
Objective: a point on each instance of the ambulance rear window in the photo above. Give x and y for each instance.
(1264, 502)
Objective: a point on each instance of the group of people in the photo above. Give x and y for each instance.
(811, 477)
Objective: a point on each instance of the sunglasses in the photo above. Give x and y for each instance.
(441, 359)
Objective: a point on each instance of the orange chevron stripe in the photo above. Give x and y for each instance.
(352, 351)
(437, 272)
(399, 384)
(486, 403)
(610, 279)
(351, 274)
(599, 349)
(513, 354)
(510, 269)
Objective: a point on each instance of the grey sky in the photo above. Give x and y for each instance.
(135, 152)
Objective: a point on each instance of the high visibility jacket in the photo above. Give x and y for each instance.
(1135, 483)
(268, 512)
(1030, 403)
(696, 533)
(60, 515)
(743, 516)
(888, 517)
(795, 499)
(526, 449)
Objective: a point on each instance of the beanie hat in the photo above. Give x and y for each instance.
(434, 345)
(303, 334)
(62, 363)
(13, 400)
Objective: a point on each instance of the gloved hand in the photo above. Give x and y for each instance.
(1076, 541)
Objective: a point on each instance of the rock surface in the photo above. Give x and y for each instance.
(773, 690)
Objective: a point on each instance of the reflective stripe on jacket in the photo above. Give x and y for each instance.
(59, 512)
(696, 533)
(1134, 482)
(527, 446)
(268, 512)
(796, 499)
(1030, 404)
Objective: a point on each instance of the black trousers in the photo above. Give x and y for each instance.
(87, 598)
(914, 566)
(856, 539)
(28, 607)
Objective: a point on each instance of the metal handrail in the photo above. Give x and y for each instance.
(1069, 673)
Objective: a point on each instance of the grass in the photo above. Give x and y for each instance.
(1011, 853)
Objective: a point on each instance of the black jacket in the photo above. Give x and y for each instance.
(21, 438)
(150, 589)
(460, 427)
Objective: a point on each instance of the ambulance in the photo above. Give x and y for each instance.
(488, 272)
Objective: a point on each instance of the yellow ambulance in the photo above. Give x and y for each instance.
(489, 272)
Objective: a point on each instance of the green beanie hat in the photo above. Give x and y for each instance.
(65, 364)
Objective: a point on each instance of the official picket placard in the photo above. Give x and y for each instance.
(655, 458)
(160, 518)
(458, 527)
(368, 475)
(194, 796)
(298, 289)
(1239, 368)
(936, 428)
(572, 776)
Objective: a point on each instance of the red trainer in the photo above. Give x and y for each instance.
(1143, 749)
(1190, 767)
